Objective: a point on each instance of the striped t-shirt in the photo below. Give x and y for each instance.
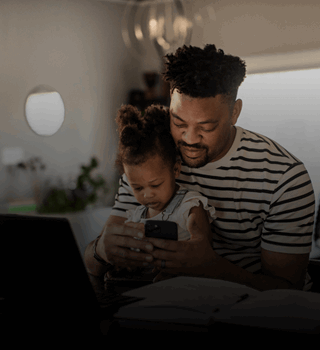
(263, 198)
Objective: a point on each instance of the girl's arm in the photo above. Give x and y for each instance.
(198, 217)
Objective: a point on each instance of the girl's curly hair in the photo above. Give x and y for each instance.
(144, 136)
(204, 72)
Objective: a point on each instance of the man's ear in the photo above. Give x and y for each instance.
(236, 111)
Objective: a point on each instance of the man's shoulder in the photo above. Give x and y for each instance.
(256, 145)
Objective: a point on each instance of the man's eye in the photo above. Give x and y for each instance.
(209, 130)
(179, 125)
(155, 185)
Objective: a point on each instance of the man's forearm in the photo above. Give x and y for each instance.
(93, 266)
(223, 269)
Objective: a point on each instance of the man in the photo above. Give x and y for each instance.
(262, 194)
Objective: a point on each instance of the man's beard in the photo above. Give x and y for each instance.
(194, 163)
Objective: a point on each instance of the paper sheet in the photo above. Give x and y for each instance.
(184, 300)
(189, 300)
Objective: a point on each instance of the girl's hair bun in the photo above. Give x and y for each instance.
(128, 115)
(130, 136)
(157, 119)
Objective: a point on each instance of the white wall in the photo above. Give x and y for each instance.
(244, 28)
(76, 47)
(285, 106)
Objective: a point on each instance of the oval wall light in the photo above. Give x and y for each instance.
(44, 110)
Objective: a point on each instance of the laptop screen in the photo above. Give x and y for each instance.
(43, 275)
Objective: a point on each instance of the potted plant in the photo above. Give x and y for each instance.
(66, 200)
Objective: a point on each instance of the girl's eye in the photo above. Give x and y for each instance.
(138, 189)
(155, 186)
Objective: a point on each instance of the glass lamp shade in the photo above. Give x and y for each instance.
(45, 111)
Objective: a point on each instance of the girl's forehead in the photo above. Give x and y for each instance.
(143, 176)
(153, 165)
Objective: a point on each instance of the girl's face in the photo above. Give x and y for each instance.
(153, 182)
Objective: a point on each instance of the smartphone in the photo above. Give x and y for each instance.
(125, 282)
(161, 229)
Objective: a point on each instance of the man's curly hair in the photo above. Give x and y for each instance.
(207, 72)
(142, 136)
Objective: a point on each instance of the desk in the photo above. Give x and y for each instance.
(136, 331)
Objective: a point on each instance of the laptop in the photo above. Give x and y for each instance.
(44, 286)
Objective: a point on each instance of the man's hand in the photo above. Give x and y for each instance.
(190, 258)
(117, 239)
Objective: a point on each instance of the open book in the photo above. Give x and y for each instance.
(202, 301)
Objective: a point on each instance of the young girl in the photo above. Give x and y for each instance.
(149, 158)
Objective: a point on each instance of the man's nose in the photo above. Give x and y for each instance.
(191, 137)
